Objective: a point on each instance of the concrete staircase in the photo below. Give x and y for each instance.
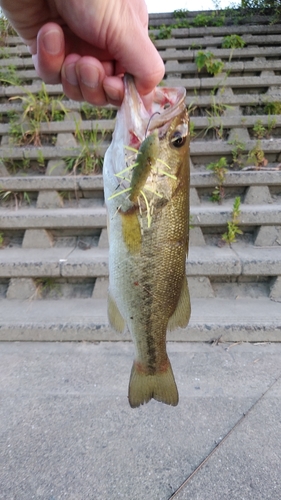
(54, 255)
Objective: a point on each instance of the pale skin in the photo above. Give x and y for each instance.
(87, 45)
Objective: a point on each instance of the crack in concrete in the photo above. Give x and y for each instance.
(241, 264)
(64, 260)
(218, 445)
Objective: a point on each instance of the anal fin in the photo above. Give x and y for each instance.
(116, 319)
(181, 315)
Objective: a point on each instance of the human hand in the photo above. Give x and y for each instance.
(87, 45)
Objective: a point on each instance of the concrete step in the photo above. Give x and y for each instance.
(180, 40)
(12, 43)
(241, 271)
(216, 215)
(68, 104)
(54, 286)
(53, 218)
(47, 152)
(95, 182)
(236, 68)
(178, 54)
(231, 99)
(197, 148)
(63, 183)
(197, 84)
(107, 126)
(250, 320)
(201, 101)
(237, 260)
(221, 82)
(67, 126)
(168, 18)
(209, 36)
(202, 215)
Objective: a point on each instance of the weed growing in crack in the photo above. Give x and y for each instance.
(44, 286)
(219, 169)
(6, 29)
(238, 156)
(88, 161)
(37, 108)
(232, 226)
(273, 108)
(215, 117)
(7, 196)
(164, 32)
(9, 76)
(256, 156)
(233, 42)
(92, 113)
(260, 131)
(207, 59)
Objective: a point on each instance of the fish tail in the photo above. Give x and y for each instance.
(160, 386)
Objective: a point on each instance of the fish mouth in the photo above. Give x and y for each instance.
(167, 103)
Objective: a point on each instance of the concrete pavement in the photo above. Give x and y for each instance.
(67, 431)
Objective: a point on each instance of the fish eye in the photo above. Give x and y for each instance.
(179, 136)
(178, 140)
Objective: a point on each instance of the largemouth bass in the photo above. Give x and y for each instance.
(146, 183)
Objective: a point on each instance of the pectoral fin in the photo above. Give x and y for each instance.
(116, 320)
(181, 315)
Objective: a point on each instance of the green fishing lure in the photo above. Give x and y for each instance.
(146, 159)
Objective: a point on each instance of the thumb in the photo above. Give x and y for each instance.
(146, 65)
(137, 55)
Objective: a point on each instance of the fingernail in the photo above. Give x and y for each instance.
(90, 76)
(52, 42)
(70, 74)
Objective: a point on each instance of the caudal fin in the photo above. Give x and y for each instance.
(160, 386)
